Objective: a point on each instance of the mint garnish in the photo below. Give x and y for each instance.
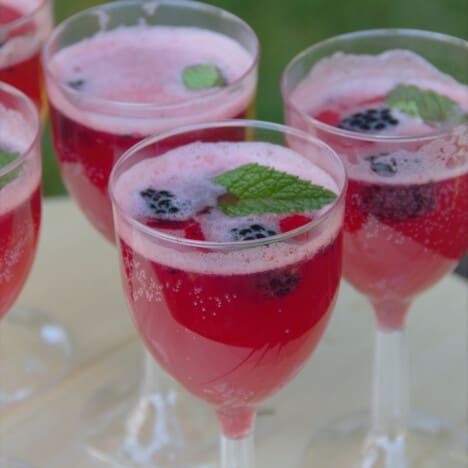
(5, 159)
(203, 76)
(255, 189)
(425, 104)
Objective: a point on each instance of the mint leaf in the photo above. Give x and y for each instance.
(5, 159)
(256, 189)
(425, 104)
(203, 76)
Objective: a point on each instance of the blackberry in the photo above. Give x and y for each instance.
(162, 203)
(252, 232)
(76, 84)
(383, 164)
(398, 203)
(279, 283)
(369, 120)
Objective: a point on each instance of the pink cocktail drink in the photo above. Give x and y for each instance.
(231, 306)
(20, 206)
(115, 74)
(394, 106)
(408, 178)
(232, 327)
(111, 90)
(24, 26)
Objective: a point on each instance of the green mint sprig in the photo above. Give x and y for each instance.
(5, 159)
(203, 76)
(253, 189)
(428, 105)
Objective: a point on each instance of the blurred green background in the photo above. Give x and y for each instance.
(285, 28)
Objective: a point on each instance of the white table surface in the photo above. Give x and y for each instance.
(76, 279)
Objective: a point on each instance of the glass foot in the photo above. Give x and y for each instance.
(35, 354)
(427, 443)
(157, 429)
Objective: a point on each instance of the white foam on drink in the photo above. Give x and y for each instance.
(21, 47)
(16, 135)
(346, 80)
(24, 6)
(144, 64)
(200, 162)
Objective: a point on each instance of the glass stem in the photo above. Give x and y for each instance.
(155, 381)
(390, 400)
(238, 453)
(153, 425)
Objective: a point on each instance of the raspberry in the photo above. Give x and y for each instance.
(193, 231)
(329, 117)
(293, 222)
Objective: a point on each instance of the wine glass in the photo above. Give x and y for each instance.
(35, 350)
(95, 118)
(234, 317)
(29, 356)
(406, 223)
(24, 27)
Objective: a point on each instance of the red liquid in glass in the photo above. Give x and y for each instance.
(86, 157)
(25, 75)
(19, 233)
(400, 238)
(233, 340)
(389, 252)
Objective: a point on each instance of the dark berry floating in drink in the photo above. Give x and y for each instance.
(241, 290)
(407, 202)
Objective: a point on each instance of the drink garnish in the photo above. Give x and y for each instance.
(203, 76)
(76, 84)
(5, 159)
(384, 164)
(427, 104)
(253, 189)
(398, 203)
(369, 120)
(162, 202)
(252, 231)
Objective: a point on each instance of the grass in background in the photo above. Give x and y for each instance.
(286, 28)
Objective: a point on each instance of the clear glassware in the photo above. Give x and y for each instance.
(211, 312)
(90, 134)
(24, 27)
(402, 233)
(32, 354)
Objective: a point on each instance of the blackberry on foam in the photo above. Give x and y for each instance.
(338, 83)
(204, 161)
(369, 120)
(341, 83)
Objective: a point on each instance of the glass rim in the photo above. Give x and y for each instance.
(46, 57)
(21, 97)
(229, 245)
(382, 32)
(24, 18)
